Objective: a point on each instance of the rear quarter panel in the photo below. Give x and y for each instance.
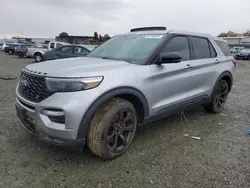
(225, 64)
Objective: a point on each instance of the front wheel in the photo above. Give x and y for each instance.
(219, 98)
(112, 128)
(38, 57)
(10, 52)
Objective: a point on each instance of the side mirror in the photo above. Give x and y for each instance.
(172, 57)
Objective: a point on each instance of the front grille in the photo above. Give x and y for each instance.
(33, 88)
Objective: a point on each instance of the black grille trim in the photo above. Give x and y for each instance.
(33, 87)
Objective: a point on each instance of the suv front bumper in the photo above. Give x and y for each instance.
(35, 126)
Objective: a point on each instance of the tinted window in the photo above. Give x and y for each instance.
(65, 49)
(212, 50)
(80, 50)
(224, 48)
(58, 45)
(201, 48)
(52, 45)
(179, 44)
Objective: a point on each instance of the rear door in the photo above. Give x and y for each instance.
(174, 84)
(64, 52)
(203, 65)
(79, 51)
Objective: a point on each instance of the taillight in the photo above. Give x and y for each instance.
(234, 62)
(26, 50)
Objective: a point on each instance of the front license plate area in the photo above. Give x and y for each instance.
(27, 121)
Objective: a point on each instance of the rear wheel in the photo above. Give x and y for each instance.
(10, 52)
(38, 57)
(20, 54)
(219, 98)
(112, 129)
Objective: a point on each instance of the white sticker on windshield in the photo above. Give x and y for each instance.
(154, 36)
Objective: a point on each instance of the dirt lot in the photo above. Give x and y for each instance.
(160, 155)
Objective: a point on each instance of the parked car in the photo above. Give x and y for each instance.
(10, 48)
(132, 79)
(5, 45)
(38, 53)
(89, 46)
(243, 54)
(21, 49)
(66, 51)
(236, 49)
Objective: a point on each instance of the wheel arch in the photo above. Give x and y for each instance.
(228, 77)
(37, 53)
(131, 94)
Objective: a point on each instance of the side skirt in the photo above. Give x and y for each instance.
(177, 108)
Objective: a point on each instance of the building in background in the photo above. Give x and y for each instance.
(34, 40)
(238, 41)
(77, 39)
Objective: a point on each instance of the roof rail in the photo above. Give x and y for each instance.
(148, 29)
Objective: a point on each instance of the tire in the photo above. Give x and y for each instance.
(38, 57)
(20, 54)
(10, 52)
(110, 134)
(219, 98)
(248, 58)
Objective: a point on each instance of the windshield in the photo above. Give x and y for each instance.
(131, 48)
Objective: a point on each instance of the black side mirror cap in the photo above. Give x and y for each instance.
(172, 57)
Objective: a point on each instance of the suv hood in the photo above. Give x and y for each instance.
(76, 67)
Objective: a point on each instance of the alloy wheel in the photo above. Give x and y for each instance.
(221, 95)
(121, 130)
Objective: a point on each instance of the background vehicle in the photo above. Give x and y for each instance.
(236, 49)
(5, 44)
(131, 79)
(89, 47)
(243, 54)
(10, 48)
(38, 53)
(66, 51)
(20, 50)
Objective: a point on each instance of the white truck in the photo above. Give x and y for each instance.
(38, 52)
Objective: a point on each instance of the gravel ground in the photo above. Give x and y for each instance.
(160, 156)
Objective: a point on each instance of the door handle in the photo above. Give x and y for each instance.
(217, 61)
(188, 66)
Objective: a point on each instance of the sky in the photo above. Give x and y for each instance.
(48, 18)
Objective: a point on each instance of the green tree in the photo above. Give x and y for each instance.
(106, 37)
(96, 36)
(100, 38)
(63, 34)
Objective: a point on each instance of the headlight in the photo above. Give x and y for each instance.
(72, 84)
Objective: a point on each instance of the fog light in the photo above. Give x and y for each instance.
(53, 113)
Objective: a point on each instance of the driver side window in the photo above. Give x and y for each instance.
(52, 45)
(179, 44)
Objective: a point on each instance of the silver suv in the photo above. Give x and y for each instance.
(132, 79)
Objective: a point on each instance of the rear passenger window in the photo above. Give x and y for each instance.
(52, 45)
(180, 45)
(201, 48)
(224, 48)
(212, 50)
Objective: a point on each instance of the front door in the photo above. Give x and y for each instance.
(174, 83)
